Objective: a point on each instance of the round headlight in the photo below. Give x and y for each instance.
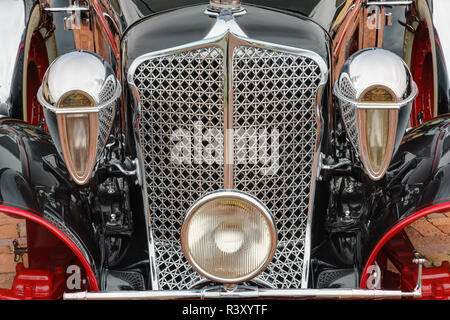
(229, 237)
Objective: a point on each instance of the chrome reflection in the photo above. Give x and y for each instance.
(79, 94)
(375, 91)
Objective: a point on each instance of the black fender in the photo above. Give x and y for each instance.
(35, 184)
(418, 178)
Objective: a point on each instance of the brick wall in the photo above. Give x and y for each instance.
(431, 237)
(10, 229)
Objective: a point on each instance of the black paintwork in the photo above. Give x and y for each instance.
(32, 178)
(418, 178)
(145, 8)
(36, 177)
(182, 26)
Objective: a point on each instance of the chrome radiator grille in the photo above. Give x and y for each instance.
(275, 92)
(273, 95)
(177, 92)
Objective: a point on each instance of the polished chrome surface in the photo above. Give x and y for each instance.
(203, 74)
(79, 70)
(221, 292)
(245, 293)
(219, 5)
(364, 70)
(244, 198)
(275, 91)
(178, 91)
(375, 66)
(389, 3)
(12, 30)
(88, 73)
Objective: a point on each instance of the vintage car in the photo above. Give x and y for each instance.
(189, 149)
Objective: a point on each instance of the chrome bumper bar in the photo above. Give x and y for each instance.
(246, 294)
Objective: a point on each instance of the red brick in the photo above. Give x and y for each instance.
(4, 219)
(5, 250)
(22, 228)
(8, 231)
(425, 228)
(6, 280)
(7, 263)
(439, 238)
(412, 233)
(447, 214)
(440, 221)
(445, 229)
(435, 215)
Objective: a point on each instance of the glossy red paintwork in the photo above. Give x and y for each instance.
(92, 281)
(395, 245)
(35, 284)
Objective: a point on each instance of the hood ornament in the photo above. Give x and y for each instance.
(217, 6)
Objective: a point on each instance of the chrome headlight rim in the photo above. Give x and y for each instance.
(96, 108)
(374, 105)
(232, 195)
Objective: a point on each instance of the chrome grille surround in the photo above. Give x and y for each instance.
(172, 269)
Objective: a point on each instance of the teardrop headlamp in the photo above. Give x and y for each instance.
(79, 93)
(375, 91)
(229, 237)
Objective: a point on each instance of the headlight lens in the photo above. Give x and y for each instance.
(377, 125)
(229, 237)
(78, 133)
(77, 127)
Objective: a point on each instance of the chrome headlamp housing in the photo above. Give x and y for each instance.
(229, 236)
(375, 91)
(79, 93)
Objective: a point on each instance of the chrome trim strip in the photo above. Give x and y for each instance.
(314, 178)
(97, 108)
(389, 3)
(153, 279)
(221, 292)
(255, 293)
(378, 105)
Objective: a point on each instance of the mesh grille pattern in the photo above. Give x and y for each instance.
(106, 114)
(348, 111)
(181, 91)
(274, 97)
(273, 104)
